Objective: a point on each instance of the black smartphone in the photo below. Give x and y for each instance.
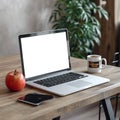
(34, 98)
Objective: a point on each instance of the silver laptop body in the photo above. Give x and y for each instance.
(46, 54)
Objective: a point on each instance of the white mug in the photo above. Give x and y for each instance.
(95, 63)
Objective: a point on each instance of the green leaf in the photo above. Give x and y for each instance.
(78, 16)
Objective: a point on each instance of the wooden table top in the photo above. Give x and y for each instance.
(13, 110)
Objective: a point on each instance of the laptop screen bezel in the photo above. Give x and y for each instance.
(37, 34)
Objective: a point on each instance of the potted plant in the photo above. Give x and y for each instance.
(79, 17)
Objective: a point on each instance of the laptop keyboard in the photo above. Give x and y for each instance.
(52, 81)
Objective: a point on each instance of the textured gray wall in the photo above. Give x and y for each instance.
(21, 16)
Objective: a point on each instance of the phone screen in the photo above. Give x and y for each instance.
(34, 98)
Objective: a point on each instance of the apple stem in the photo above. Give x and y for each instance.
(15, 72)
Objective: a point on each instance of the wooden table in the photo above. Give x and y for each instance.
(10, 109)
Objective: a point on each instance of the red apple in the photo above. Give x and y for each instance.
(15, 81)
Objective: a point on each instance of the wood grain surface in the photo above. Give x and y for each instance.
(13, 110)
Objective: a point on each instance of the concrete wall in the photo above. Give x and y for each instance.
(117, 12)
(21, 16)
(117, 24)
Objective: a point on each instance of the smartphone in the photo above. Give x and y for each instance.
(34, 98)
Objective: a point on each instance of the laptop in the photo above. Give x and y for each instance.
(45, 59)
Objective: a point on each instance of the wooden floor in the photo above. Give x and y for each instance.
(87, 113)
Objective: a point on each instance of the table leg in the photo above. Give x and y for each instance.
(57, 118)
(108, 110)
(116, 104)
(100, 107)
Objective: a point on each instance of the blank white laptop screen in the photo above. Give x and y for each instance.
(44, 54)
(48, 52)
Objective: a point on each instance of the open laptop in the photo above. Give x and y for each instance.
(45, 59)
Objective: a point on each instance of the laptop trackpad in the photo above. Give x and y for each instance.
(80, 84)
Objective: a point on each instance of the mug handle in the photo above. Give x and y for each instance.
(105, 62)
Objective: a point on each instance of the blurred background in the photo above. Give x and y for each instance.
(26, 16)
